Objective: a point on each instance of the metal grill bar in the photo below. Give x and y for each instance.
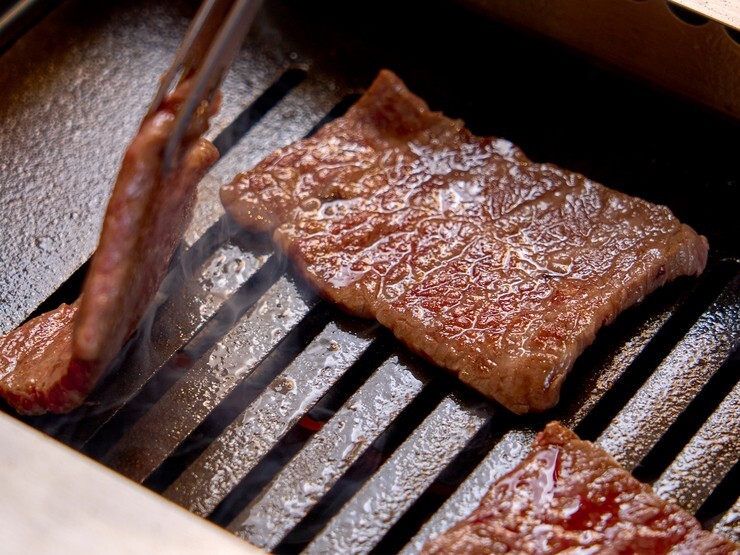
(264, 422)
(729, 524)
(393, 488)
(329, 454)
(231, 360)
(678, 379)
(706, 459)
(175, 322)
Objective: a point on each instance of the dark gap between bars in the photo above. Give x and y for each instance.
(67, 293)
(240, 398)
(258, 109)
(221, 323)
(706, 291)
(366, 465)
(299, 435)
(721, 499)
(688, 423)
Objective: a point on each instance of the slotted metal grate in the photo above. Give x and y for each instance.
(254, 404)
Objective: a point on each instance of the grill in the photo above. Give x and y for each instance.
(249, 401)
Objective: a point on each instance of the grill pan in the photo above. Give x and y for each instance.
(249, 401)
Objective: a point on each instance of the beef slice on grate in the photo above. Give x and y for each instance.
(493, 267)
(50, 363)
(570, 496)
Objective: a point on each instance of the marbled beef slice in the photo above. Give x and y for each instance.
(570, 496)
(493, 267)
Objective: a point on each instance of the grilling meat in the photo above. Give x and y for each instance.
(52, 362)
(35, 358)
(494, 267)
(570, 496)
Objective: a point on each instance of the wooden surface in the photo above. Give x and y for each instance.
(55, 501)
(644, 38)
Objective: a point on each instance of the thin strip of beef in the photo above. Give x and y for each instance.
(570, 496)
(52, 362)
(493, 267)
(144, 223)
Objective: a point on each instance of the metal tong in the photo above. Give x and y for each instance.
(205, 55)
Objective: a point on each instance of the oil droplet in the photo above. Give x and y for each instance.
(285, 385)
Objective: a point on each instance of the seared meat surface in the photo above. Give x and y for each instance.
(34, 362)
(493, 267)
(52, 362)
(570, 496)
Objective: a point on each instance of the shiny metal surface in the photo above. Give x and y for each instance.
(678, 379)
(284, 401)
(339, 444)
(704, 462)
(217, 373)
(363, 521)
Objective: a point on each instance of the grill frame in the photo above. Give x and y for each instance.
(298, 106)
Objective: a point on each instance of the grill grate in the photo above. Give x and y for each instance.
(254, 404)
